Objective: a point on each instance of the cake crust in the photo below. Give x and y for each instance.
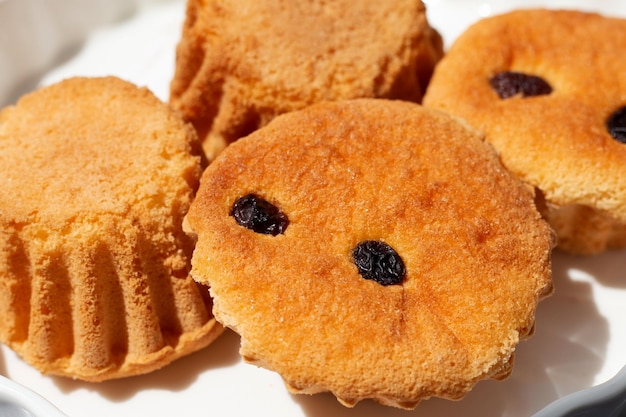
(237, 67)
(96, 176)
(475, 248)
(557, 142)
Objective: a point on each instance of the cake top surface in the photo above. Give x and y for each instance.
(474, 248)
(559, 140)
(89, 146)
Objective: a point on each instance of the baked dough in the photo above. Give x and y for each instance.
(96, 175)
(474, 250)
(557, 142)
(238, 66)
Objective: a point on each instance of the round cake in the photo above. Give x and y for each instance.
(237, 67)
(371, 248)
(548, 90)
(96, 175)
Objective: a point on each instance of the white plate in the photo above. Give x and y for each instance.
(19, 401)
(581, 331)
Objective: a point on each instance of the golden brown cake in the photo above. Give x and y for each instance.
(238, 66)
(96, 175)
(547, 87)
(373, 249)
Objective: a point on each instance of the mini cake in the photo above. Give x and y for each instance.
(548, 89)
(373, 249)
(96, 175)
(237, 67)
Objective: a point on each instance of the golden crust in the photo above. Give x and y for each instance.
(96, 176)
(237, 67)
(475, 248)
(558, 142)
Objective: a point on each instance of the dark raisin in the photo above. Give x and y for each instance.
(259, 215)
(380, 262)
(509, 84)
(616, 124)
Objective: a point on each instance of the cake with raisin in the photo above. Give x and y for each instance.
(96, 175)
(373, 249)
(548, 90)
(237, 67)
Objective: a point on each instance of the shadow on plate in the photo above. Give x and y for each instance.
(121, 13)
(608, 268)
(176, 376)
(565, 354)
(28, 84)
